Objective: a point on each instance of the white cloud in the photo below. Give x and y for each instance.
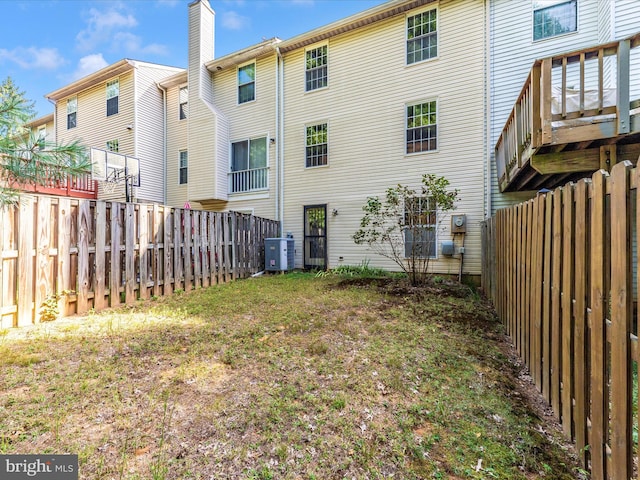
(132, 44)
(101, 26)
(33, 57)
(234, 21)
(88, 65)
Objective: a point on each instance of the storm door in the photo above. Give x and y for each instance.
(315, 237)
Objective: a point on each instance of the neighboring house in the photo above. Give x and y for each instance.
(120, 109)
(555, 144)
(304, 130)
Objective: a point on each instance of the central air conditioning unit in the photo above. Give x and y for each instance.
(279, 254)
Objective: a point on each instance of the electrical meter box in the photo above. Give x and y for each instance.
(459, 223)
(279, 254)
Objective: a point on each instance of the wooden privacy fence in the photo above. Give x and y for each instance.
(560, 270)
(92, 254)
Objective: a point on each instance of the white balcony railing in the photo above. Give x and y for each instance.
(248, 180)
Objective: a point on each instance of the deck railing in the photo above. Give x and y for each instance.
(558, 90)
(79, 186)
(248, 180)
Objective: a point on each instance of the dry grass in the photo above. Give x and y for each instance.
(281, 377)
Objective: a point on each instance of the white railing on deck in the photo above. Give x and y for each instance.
(248, 180)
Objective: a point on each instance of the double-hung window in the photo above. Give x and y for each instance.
(552, 18)
(317, 145)
(422, 36)
(183, 169)
(72, 111)
(422, 127)
(184, 102)
(316, 68)
(419, 227)
(113, 92)
(248, 165)
(247, 83)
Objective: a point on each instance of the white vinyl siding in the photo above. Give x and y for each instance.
(177, 193)
(249, 121)
(367, 132)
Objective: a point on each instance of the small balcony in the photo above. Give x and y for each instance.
(576, 113)
(246, 181)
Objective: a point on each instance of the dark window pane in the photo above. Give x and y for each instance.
(112, 106)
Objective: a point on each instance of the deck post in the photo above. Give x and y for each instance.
(622, 90)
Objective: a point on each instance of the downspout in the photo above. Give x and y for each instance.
(277, 139)
(487, 106)
(280, 143)
(164, 144)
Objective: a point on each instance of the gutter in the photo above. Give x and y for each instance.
(280, 143)
(164, 143)
(487, 107)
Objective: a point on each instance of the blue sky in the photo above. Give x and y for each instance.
(44, 45)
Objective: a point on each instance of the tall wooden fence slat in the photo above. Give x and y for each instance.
(561, 270)
(92, 254)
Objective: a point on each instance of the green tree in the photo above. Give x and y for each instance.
(26, 159)
(402, 227)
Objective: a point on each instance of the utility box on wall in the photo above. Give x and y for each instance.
(459, 223)
(279, 254)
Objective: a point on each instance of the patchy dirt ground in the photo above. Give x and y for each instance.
(282, 377)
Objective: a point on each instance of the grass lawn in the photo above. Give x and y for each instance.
(278, 377)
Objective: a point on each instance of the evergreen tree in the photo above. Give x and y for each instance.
(26, 159)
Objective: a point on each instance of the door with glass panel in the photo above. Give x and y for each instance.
(315, 237)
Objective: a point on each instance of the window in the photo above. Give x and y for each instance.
(113, 91)
(247, 83)
(316, 152)
(422, 127)
(422, 36)
(183, 172)
(419, 227)
(112, 145)
(42, 137)
(316, 68)
(184, 102)
(72, 110)
(555, 19)
(248, 165)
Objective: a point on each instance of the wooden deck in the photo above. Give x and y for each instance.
(561, 129)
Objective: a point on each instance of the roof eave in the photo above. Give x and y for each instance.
(100, 76)
(236, 58)
(375, 14)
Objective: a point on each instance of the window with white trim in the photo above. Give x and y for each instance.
(422, 36)
(317, 145)
(72, 111)
(184, 102)
(247, 83)
(419, 227)
(113, 146)
(554, 17)
(42, 137)
(183, 168)
(422, 127)
(113, 92)
(249, 171)
(316, 68)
